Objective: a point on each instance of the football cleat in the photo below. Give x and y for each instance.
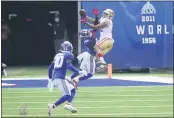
(50, 109)
(101, 68)
(101, 62)
(23, 110)
(70, 108)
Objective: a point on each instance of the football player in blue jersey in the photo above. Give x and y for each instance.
(60, 65)
(88, 57)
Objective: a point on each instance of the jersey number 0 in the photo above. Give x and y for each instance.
(58, 62)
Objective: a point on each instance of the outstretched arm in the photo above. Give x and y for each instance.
(90, 19)
(72, 68)
(93, 20)
(96, 27)
(75, 70)
(96, 24)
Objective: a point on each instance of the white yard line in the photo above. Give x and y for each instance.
(110, 101)
(96, 91)
(130, 78)
(104, 87)
(100, 107)
(111, 114)
(41, 78)
(147, 79)
(150, 95)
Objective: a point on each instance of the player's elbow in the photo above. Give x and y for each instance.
(100, 26)
(96, 27)
(72, 68)
(49, 67)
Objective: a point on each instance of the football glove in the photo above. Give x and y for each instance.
(50, 85)
(83, 73)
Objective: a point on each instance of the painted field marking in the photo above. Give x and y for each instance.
(104, 87)
(111, 114)
(7, 84)
(93, 101)
(152, 95)
(147, 78)
(100, 107)
(168, 80)
(42, 78)
(96, 91)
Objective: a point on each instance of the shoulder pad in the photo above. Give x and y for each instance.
(69, 56)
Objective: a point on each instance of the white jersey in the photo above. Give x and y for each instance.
(106, 31)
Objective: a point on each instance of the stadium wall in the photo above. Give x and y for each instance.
(32, 39)
(134, 47)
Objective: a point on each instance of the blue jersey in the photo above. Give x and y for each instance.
(89, 44)
(60, 65)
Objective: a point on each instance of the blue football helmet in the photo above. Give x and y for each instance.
(66, 46)
(85, 33)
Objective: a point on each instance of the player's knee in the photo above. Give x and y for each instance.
(109, 45)
(103, 52)
(109, 48)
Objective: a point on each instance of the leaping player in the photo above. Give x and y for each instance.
(88, 57)
(105, 26)
(62, 62)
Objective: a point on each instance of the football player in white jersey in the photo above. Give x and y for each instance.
(105, 26)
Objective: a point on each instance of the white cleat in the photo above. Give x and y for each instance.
(101, 62)
(70, 108)
(50, 109)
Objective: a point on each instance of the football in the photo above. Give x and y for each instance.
(82, 13)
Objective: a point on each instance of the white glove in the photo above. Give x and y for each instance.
(50, 85)
(83, 73)
(68, 78)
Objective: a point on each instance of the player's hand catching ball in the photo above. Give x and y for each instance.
(83, 20)
(95, 11)
(82, 13)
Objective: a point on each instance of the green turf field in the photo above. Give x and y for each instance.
(142, 101)
(152, 101)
